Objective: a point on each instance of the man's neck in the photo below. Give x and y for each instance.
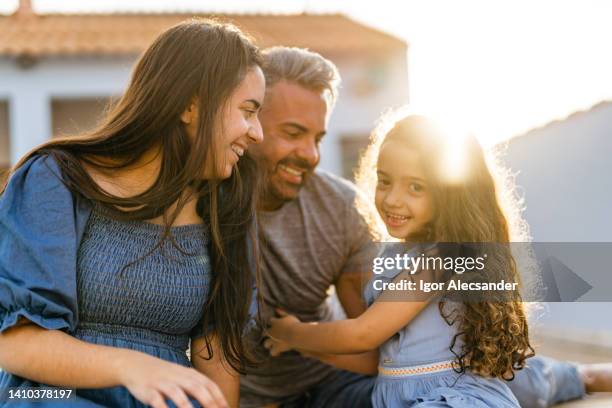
(270, 205)
(270, 202)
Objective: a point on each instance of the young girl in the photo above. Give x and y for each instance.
(440, 353)
(118, 248)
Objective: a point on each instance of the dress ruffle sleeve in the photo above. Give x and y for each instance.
(41, 224)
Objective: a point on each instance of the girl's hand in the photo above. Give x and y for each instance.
(281, 328)
(276, 347)
(153, 381)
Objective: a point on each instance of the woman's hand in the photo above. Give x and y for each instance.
(70, 362)
(153, 381)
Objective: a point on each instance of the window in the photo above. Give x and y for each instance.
(74, 116)
(352, 146)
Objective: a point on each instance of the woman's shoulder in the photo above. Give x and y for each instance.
(40, 227)
(40, 171)
(36, 190)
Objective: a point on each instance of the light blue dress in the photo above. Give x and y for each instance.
(66, 265)
(424, 342)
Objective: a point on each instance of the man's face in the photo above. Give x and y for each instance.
(294, 120)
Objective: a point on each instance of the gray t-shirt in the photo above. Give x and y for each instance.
(308, 244)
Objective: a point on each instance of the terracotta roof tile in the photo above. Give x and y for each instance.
(123, 34)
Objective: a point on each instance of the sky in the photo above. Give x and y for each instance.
(495, 68)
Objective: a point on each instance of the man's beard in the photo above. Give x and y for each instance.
(273, 195)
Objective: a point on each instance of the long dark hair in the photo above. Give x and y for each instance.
(197, 58)
(494, 334)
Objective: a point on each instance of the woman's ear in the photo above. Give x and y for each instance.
(190, 114)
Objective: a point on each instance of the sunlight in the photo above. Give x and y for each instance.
(504, 81)
(505, 67)
(454, 155)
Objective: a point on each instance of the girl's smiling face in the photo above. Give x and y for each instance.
(402, 198)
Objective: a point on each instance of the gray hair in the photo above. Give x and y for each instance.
(303, 67)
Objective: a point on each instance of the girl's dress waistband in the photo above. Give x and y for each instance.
(409, 371)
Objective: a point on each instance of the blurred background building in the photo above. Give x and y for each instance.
(564, 172)
(59, 72)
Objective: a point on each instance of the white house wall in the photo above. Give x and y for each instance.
(565, 172)
(30, 91)
(357, 113)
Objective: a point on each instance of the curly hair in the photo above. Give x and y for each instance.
(492, 337)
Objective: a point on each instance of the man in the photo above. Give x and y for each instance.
(315, 237)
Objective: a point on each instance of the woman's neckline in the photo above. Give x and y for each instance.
(150, 226)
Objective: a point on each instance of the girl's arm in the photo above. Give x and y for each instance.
(216, 368)
(362, 363)
(56, 358)
(392, 310)
(364, 333)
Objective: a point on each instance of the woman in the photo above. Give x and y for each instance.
(116, 247)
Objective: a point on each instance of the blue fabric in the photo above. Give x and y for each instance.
(443, 389)
(67, 265)
(426, 340)
(545, 382)
(40, 228)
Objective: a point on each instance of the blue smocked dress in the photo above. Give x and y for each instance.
(406, 377)
(66, 265)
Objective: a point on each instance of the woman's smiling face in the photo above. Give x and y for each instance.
(402, 198)
(237, 125)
